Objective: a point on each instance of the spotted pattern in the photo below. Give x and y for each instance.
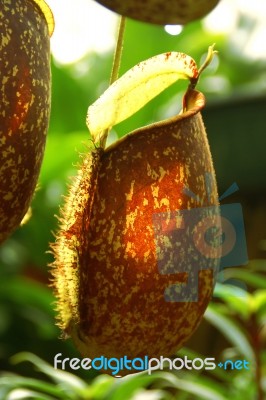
(25, 106)
(161, 11)
(115, 298)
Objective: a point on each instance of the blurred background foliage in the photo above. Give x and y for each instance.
(234, 325)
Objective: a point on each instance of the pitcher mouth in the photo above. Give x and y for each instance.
(193, 102)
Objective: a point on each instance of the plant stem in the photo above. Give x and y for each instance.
(116, 67)
(209, 58)
(118, 50)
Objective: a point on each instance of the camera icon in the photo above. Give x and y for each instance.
(189, 241)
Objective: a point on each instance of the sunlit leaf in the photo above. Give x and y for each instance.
(136, 88)
(259, 299)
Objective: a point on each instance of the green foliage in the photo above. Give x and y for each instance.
(27, 323)
(239, 316)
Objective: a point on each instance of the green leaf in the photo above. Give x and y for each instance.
(202, 388)
(259, 299)
(126, 387)
(100, 387)
(237, 299)
(25, 292)
(250, 277)
(217, 372)
(259, 305)
(230, 330)
(143, 394)
(66, 380)
(257, 265)
(20, 394)
(11, 382)
(136, 88)
(129, 386)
